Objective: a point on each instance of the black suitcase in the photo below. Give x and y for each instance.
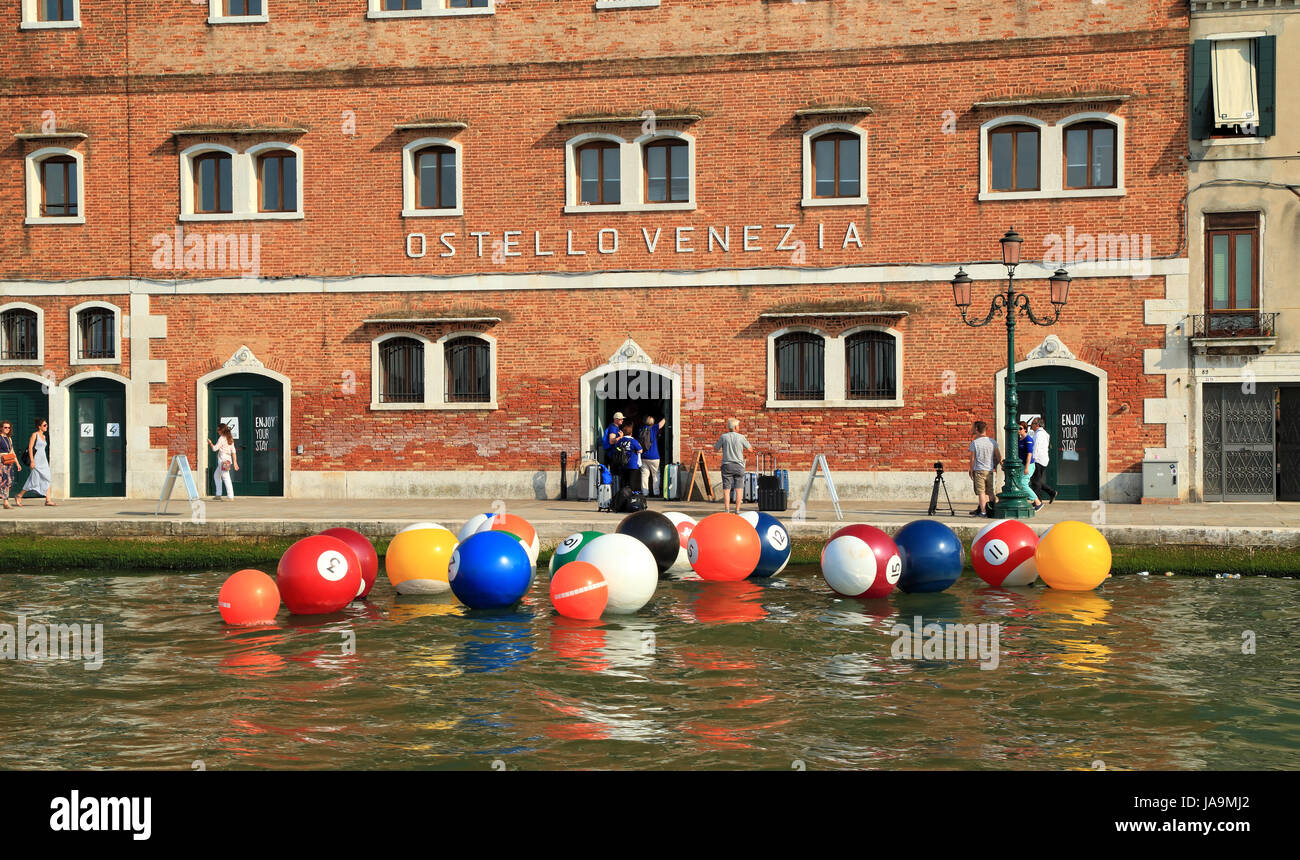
(771, 496)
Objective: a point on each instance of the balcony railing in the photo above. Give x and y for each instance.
(1233, 323)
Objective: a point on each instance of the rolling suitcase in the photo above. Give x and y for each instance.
(590, 483)
(771, 496)
(668, 482)
(750, 493)
(604, 497)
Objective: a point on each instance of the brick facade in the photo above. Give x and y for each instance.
(744, 66)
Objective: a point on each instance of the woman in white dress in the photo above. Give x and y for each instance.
(38, 481)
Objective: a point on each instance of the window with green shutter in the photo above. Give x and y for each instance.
(1209, 58)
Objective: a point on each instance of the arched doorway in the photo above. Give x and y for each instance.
(632, 384)
(253, 406)
(22, 401)
(97, 446)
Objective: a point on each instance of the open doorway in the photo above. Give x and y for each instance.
(636, 394)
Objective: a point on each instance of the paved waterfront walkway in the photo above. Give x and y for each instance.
(1188, 524)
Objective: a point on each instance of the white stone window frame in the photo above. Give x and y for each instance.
(74, 333)
(809, 174)
(643, 177)
(216, 14)
(433, 9)
(897, 399)
(435, 372)
(626, 4)
(33, 161)
(440, 370)
(410, 183)
(632, 174)
(1051, 157)
(39, 360)
(30, 19)
(243, 183)
(835, 368)
(627, 160)
(376, 372)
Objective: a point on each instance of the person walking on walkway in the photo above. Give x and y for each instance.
(227, 459)
(733, 447)
(8, 461)
(1025, 447)
(984, 458)
(1042, 456)
(38, 481)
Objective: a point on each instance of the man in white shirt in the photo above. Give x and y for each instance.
(1042, 456)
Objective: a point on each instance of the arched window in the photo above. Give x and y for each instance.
(212, 183)
(18, 335)
(58, 175)
(668, 172)
(435, 177)
(599, 173)
(837, 160)
(468, 370)
(401, 376)
(800, 366)
(96, 334)
(1090, 155)
(870, 366)
(277, 181)
(1013, 158)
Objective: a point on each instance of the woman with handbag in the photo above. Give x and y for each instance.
(226, 460)
(8, 461)
(38, 480)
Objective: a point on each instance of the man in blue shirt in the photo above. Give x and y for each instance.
(612, 434)
(649, 439)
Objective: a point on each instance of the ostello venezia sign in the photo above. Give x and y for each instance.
(609, 240)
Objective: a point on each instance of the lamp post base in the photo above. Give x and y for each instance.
(1013, 505)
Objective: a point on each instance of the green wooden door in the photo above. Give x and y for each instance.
(21, 403)
(98, 438)
(1066, 399)
(253, 406)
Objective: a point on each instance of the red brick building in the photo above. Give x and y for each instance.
(406, 249)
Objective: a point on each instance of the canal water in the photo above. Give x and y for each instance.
(1146, 672)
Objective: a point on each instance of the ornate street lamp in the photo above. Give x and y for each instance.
(1013, 502)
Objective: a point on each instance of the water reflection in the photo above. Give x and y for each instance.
(578, 643)
(254, 658)
(1077, 609)
(728, 603)
(1143, 674)
(494, 641)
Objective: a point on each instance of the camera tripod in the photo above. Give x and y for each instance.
(934, 494)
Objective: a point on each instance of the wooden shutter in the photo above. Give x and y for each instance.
(1266, 78)
(1202, 97)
